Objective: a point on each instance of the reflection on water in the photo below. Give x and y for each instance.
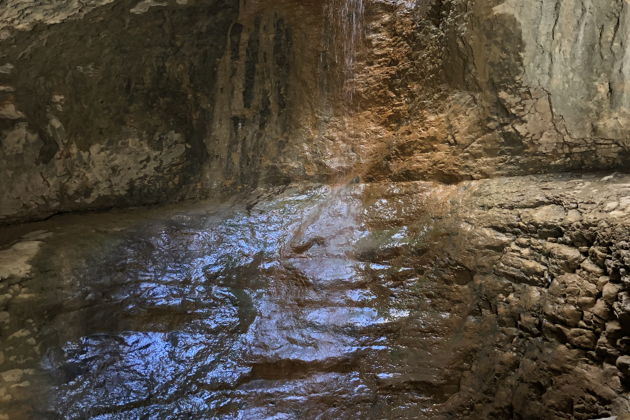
(294, 306)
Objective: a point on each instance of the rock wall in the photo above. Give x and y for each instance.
(106, 104)
(117, 103)
(485, 88)
(534, 272)
(270, 99)
(226, 96)
(550, 264)
(110, 103)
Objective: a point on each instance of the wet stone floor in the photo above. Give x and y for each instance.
(304, 302)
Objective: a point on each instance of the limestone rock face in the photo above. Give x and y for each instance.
(545, 340)
(489, 88)
(454, 116)
(120, 102)
(24, 14)
(105, 103)
(575, 53)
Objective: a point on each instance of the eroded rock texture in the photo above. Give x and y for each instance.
(107, 107)
(123, 102)
(486, 88)
(547, 264)
(442, 277)
(491, 299)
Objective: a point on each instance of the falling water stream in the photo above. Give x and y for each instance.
(346, 35)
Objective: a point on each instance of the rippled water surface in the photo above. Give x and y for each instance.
(302, 303)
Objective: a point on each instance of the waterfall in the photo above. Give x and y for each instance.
(345, 35)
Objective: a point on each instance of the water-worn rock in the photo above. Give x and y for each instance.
(364, 301)
(237, 94)
(397, 298)
(623, 364)
(622, 308)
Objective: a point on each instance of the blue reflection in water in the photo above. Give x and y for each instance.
(208, 307)
(259, 313)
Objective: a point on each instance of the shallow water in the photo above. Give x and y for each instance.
(310, 302)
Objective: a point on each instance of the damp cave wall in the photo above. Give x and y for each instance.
(112, 103)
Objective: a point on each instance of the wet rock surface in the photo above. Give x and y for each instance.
(102, 106)
(436, 280)
(491, 299)
(231, 95)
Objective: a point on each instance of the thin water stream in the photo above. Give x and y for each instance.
(345, 33)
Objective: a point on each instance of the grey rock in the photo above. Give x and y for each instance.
(582, 338)
(622, 308)
(623, 364)
(610, 292)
